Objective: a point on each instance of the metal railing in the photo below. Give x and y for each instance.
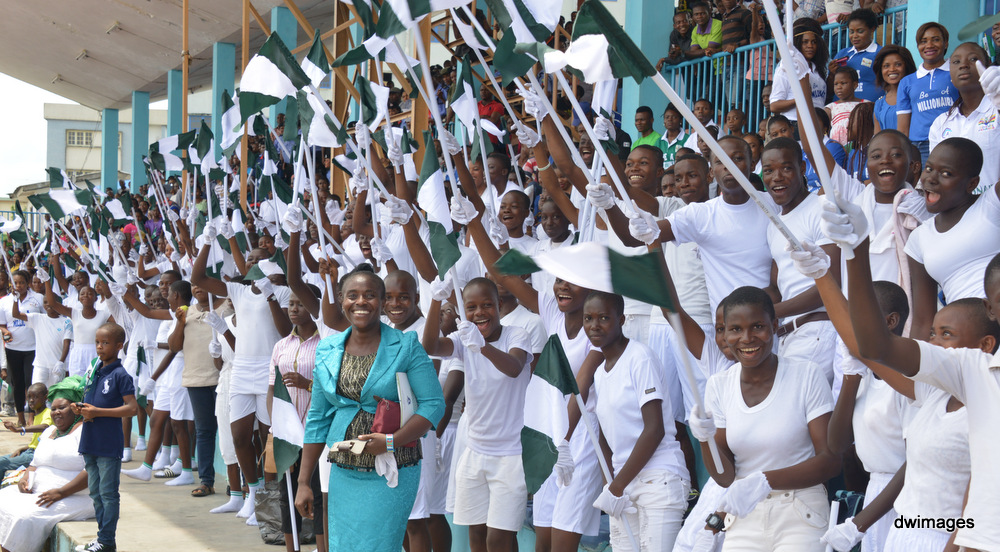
(737, 80)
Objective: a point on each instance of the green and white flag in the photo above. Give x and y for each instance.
(58, 178)
(444, 248)
(286, 426)
(202, 150)
(14, 228)
(530, 20)
(314, 64)
(272, 75)
(600, 49)
(639, 277)
(430, 192)
(318, 129)
(463, 98)
(59, 203)
(232, 129)
(374, 102)
(394, 17)
(545, 417)
(160, 152)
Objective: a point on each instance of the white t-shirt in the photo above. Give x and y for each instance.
(957, 259)
(804, 222)
(980, 127)
(525, 244)
(636, 379)
(880, 414)
(530, 323)
(937, 458)
(732, 242)
(554, 322)
(775, 433)
(446, 367)
(85, 329)
(494, 402)
(49, 336)
(781, 90)
(973, 377)
(543, 281)
(22, 337)
(686, 270)
(256, 334)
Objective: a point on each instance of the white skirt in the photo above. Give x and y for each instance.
(79, 358)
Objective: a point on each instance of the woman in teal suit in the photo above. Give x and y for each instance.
(352, 369)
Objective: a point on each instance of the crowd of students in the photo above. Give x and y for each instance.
(860, 359)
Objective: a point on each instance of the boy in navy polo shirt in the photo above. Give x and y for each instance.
(110, 396)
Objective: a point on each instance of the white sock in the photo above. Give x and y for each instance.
(176, 467)
(140, 444)
(248, 505)
(127, 454)
(175, 452)
(162, 460)
(185, 478)
(234, 504)
(252, 520)
(194, 464)
(142, 473)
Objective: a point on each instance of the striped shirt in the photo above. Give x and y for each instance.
(736, 26)
(294, 354)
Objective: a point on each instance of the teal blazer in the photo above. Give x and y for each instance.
(330, 413)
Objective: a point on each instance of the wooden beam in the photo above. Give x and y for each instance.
(325, 36)
(245, 59)
(260, 20)
(185, 70)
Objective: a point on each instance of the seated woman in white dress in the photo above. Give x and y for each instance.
(49, 492)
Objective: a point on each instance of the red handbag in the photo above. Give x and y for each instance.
(387, 416)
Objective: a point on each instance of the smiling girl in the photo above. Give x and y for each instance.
(928, 92)
(891, 64)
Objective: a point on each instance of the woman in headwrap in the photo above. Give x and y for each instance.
(47, 493)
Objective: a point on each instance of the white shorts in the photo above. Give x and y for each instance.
(163, 398)
(571, 508)
(437, 500)
(180, 405)
(461, 432)
(428, 469)
(242, 405)
(915, 540)
(490, 490)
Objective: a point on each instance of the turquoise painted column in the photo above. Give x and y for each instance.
(648, 22)
(223, 80)
(109, 149)
(175, 89)
(283, 23)
(140, 137)
(953, 14)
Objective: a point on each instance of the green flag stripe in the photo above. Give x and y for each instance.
(640, 277)
(553, 367)
(538, 456)
(515, 263)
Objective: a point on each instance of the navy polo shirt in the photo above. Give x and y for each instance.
(103, 436)
(862, 62)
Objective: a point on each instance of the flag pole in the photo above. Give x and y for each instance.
(72, 238)
(291, 508)
(713, 145)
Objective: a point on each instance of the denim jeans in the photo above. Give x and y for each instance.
(103, 476)
(11, 463)
(206, 427)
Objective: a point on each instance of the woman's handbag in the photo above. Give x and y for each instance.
(387, 419)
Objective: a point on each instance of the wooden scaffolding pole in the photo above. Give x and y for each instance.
(245, 39)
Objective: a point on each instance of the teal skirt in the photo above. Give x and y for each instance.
(365, 514)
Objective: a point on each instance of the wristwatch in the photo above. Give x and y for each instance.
(715, 521)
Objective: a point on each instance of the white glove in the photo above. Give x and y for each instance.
(535, 105)
(143, 250)
(216, 322)
(215, 348)
(849, 365)
(359, 180)
(744, 494)
(615, 506)
(385, 466)
(989, 79)
(362, 135)
(85, 257)
(702, 426)
(184, 213)
(395, 211)
(264, 286)
(292, 221)
(798, 61)
(449, 143)
(59, 368)
(209, 233)
(279, 242)
(643, 226)
(462, 210)
(333, 211)
(54, 249)
(175, 256)
(441, 289)
(600, 195)
(913, 204)
(498, 232)
(439, 457)
(812, 261)
(471, 338)
(42, 275)
(844, 223)
(380, 251)
(172, 215)
(706, 541)
(843, 537)
(132, 278)
(192, 218)
(564, 464)
(528, 138)
(133, 255)
(603, 129)
(116, 289)
(393, 151)
(119, 273)
(226, 228)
